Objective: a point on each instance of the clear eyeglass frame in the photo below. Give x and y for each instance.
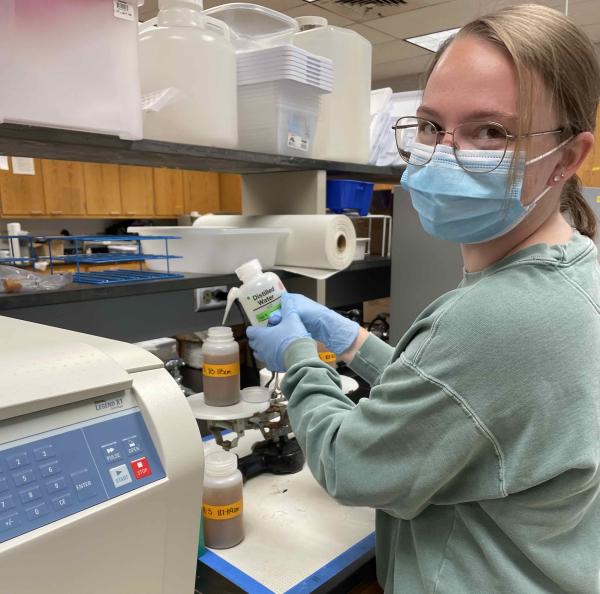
(408, 126)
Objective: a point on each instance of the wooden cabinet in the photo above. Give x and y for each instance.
(230, 193)
(73, 189)
(64, 188)
(201, 191)
(137, 190)
(102, 189)
(589, 172)
(168, 192)
(22, 194)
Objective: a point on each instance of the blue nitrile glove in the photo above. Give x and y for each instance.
(336, 332)
(270, 342)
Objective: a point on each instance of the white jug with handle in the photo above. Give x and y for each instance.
(188, 76)
(343, 127)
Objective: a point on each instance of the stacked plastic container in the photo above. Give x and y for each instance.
(279, 84)
(279, 91)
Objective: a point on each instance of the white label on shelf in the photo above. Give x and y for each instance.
(297, 142)
(4, 163)
(123, 10)
(23, 166)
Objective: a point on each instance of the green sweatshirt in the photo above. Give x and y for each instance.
(479, 445)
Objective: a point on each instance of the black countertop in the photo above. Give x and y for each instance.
(74, 293)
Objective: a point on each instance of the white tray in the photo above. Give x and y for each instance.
(241, 410)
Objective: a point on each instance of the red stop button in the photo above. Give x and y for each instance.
(141, 468)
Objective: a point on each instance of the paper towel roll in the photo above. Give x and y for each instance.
(322, 244)
(14, 229)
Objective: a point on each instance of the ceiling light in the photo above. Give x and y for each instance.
(432, 41)
(369, 4)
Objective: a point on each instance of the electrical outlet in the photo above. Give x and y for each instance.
(209, 298)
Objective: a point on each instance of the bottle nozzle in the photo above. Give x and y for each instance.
(231, 297)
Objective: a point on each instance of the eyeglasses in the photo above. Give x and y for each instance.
(416, 139)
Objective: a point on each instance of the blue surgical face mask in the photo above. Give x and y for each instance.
(465, 207)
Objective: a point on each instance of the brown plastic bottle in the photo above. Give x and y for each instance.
(222, 502)
(221, 367)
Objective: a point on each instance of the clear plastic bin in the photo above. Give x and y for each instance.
(71, 64)
(288, 131)
(278, 117)
(254, 26)
(285, 62)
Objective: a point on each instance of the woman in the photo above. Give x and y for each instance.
(480, 443)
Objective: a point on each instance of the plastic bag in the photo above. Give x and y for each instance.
(16, 280)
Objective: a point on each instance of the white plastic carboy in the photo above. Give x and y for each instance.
(259, 295)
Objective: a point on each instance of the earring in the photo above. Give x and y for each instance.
(556, 178)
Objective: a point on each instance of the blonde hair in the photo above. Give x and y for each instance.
(544, 42)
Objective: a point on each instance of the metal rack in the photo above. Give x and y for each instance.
(80, 257)
(121, 277)
(385, 250)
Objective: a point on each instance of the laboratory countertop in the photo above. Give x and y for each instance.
(297, 538)
(79, 292)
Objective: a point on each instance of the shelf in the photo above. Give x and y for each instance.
(50, 143)
(78, 293)
(147, 309)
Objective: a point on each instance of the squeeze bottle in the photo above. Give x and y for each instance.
(259, 295)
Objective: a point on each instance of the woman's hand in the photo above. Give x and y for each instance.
(336, 332)
(270, 342)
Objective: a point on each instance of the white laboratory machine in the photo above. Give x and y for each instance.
(101, 467)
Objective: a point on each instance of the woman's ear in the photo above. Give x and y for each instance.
(573, 156)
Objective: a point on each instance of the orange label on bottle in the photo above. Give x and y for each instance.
(222, 512)
(229, 370)
(327, 357)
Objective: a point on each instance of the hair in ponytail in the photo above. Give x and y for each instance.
(573, 203)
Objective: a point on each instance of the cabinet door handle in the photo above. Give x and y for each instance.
(115, 212)
(35, 212)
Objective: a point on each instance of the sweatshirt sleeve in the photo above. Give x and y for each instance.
(413, 442)
(371, 359)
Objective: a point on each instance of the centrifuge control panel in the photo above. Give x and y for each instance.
(55, 474)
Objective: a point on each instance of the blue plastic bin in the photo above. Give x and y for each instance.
(347, 194)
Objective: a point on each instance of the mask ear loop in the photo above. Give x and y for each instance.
(529, 207)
